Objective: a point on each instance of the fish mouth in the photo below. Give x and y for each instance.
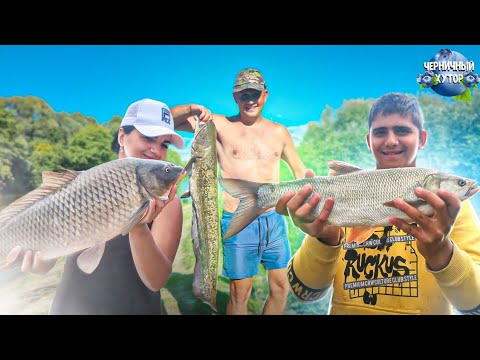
(180, 177)
(473, 190)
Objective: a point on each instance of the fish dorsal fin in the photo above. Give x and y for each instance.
(52, 181)
(56, 180)
(341, 168)
(89, 259)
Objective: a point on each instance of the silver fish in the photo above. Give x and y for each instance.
(205, 217)
(363, 198)
(72, 211)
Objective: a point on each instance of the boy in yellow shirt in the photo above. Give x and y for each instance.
(427, 267)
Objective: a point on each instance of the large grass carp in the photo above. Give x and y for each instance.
(363, 198)
(76, 210)
(205, 218)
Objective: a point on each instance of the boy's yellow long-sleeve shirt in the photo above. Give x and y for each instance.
(387, 275)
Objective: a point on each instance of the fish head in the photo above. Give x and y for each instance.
(158, 177)
(205, 138)
(461, 186)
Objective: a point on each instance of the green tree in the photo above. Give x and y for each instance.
(113, 124)
(340, 136)
(26, 110)
(89, 147)
(45, 157)
(15, 170)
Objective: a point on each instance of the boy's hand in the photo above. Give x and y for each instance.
(293, 204)
(432, 231)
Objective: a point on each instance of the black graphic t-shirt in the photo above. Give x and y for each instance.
(386, 264)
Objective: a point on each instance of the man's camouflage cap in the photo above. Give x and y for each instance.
(249, 79)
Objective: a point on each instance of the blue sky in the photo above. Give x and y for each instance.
(102, 80)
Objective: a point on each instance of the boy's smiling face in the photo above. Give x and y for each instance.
(394, 141)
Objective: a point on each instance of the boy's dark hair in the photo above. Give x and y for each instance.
(397, 103)
(115, 145)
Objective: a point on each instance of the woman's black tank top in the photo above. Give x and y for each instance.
(113, 288)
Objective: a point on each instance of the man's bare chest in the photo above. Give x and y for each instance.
(253, 147)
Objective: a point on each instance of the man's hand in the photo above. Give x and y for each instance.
(293, 204)
(204, 114)
(432, 231)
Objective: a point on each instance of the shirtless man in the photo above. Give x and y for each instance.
(250, 147)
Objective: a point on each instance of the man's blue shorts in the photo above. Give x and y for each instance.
(264, 240)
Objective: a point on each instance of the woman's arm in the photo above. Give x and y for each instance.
(154, 251)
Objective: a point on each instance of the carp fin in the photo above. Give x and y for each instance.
(89, 259)
(248, 209)
(58, 179)
(52, 181)
(137, 216)
(341, 168)
(185, 195)
(360, 234)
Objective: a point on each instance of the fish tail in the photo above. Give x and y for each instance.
(248, 209)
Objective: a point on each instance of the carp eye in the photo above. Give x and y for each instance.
(461, 182)
(167, 169)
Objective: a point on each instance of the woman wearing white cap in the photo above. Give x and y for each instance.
(134, 267)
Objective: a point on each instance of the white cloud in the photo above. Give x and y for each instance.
(297, 133)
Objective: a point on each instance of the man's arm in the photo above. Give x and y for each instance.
(183, 116)
(290, 155)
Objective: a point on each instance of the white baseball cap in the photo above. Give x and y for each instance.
(152, 118)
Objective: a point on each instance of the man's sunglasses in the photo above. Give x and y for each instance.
(246, 97)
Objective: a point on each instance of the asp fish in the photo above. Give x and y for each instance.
(363, 198)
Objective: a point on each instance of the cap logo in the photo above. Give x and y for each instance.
(166, 116)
